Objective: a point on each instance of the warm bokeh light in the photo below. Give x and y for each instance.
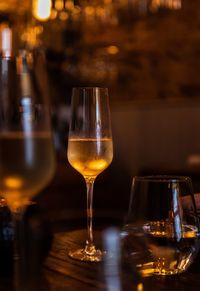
(59, 5)
(42, 9)
(89, 11)
(6, 40)
(54, 14)
(112, 49)
(13, 182)
(170, 4)
(140, 287)
(63, 16)
(69, 5)
(31, 35)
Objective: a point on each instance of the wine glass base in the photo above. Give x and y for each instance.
(81, 255)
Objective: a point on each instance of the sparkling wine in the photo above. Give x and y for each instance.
(90, 156)
(26, 165)
(159, 250)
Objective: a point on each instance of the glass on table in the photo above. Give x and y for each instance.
(161, 234)
(90, 150)
(27, 161)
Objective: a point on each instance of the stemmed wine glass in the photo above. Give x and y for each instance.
(90, 150)
(27, 160)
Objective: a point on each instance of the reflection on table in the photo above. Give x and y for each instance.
(44, 264)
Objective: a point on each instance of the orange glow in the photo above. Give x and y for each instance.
(13, 182)
(54, 14)
(59, 5)
(140, 287)
(69, 5)
(89, 11)
(112, 49)
(63, 16)
(170, 4)
(42, 9)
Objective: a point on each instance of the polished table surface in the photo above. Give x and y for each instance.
(44, 264)
(66, 274)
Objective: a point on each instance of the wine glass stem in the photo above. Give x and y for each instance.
(21, 275)
(17, 217)
(90, 186)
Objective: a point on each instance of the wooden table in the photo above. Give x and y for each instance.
(46, 266)
(64, 273)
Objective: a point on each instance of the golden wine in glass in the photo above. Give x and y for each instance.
(25, 166)
(90, 150)
(27, 161)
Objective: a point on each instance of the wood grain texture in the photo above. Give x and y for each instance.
(64, 273)
(83, 275)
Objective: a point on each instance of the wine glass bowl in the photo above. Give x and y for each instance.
(82, 155)
(161, 234)
(27, 160)
(90, 150)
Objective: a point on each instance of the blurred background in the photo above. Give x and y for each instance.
(147, 53)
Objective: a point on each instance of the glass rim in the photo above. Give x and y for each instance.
(162, 178)
(89, 88)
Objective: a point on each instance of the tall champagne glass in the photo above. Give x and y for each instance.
(26, 149)
(90, 150)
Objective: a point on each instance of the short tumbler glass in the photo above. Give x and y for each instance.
(161, 233)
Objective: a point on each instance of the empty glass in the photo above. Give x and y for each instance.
(161, 234)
